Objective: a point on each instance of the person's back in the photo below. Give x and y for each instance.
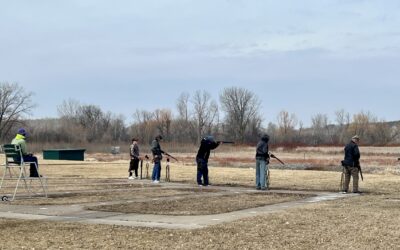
(262, 148)
(206, 145)
(351, 164)
(20, 140)
(351, 154)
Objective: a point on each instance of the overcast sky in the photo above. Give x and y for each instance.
(306, 57)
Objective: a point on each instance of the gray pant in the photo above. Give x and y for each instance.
(350, 172)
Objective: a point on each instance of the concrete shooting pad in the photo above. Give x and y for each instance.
(59, 208)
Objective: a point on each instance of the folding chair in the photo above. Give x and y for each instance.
(15, 161)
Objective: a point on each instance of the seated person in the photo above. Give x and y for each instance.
(28, 157)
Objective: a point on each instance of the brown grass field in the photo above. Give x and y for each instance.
(368, 221)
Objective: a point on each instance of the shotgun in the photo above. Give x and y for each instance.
(361, 174)
(165, 153)
(226, 142)
(273, 156)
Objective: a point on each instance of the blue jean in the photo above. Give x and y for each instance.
(261, 167)
(202, 171)
(156, 171)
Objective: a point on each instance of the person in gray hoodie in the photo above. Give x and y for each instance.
(135, 158)
(262, 161)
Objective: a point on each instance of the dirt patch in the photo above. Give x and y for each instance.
(201, 205)
(110, 195)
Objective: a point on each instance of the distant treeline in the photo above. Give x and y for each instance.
(235, 117)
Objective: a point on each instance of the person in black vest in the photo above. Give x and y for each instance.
(262, 161)
(351, 164)
(157, 157)
(206, 145)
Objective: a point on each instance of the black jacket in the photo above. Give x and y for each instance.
(262, 152)
(206, 146)
(351, 155)
(156, 149)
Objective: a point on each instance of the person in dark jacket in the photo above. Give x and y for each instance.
(351, 164)
(262, 161)
(157, 157)
(135, 158)
(206, 145)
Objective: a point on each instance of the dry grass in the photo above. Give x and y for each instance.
(369, 221)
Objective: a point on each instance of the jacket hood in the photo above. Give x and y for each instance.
(265, 138)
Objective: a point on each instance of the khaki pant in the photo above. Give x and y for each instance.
(350, 172)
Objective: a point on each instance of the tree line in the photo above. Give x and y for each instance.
(235, 117)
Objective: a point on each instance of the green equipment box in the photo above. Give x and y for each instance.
(64, 154)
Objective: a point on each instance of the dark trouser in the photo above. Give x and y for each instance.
(134, 165)
(32, 171)
(350, 172)
(202, 170)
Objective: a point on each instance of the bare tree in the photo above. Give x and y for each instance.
(361, 124)
(286, 122)
(144, 126)
(69, 108)
(182, 104)
(184, 126)
(117, 130)
(94, 121)
(319, 126)
(272, 131)
(163, 119)
(15, 103)
(343, 122)
(205, 112)
(242, 110)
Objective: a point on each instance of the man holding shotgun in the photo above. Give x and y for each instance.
(351, 164)
(262, 161)
(206, 145)
(157, 157)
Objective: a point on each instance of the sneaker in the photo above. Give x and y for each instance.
(155, 182)
(258, 188)
(131, 178)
